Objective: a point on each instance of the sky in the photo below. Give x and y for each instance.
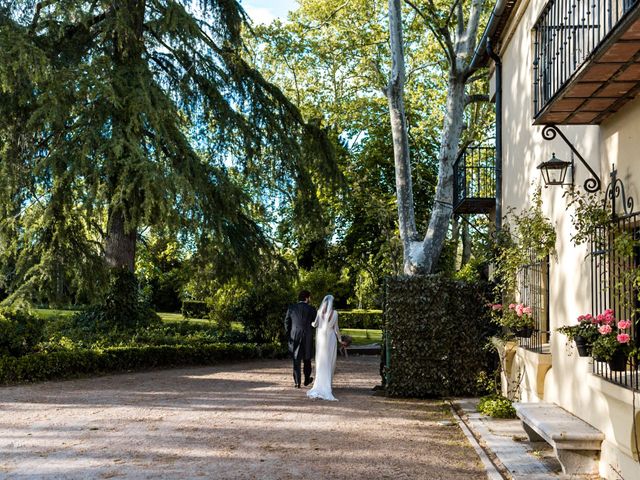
(265, 11)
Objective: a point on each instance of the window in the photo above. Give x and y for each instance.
(614, 285)
(533, 291)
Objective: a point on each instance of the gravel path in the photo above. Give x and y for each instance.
(235, 421)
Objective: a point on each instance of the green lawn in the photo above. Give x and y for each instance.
(363, 337)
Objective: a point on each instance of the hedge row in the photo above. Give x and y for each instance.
(73, 363)
(367, 319)
(438, 329)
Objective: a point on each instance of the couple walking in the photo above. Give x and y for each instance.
(300, 319)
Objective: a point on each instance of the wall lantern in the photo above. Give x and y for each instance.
(591, 185)
(554, 171)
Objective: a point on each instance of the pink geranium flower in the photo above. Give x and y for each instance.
(527, 310)
(605, 329)
(623, 337)
(512, 306)
(624, 324)
(496, 306)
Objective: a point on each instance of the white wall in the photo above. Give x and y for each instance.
(569, 382)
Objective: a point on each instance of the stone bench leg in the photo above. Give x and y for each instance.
(532, 434)
(578, 462)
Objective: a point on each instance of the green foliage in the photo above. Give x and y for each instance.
(605, 347)
(533, 239)
(78, 362)
(589, 216)
(586, 328)
(261, 311)
(361, 319)
(122, 309)
(161, 269)
(20, 332)
(143, 131)
(496, 406)
(195, 309)
(438, 329)
(514, 317)
(321, 281)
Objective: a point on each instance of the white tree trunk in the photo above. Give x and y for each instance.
(443, 204)
(422, 256)
(399, 133)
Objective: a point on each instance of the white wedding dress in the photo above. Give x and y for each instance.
(327, 336)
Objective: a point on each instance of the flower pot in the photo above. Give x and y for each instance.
(524, 332)
(618, 362)
(584, 347)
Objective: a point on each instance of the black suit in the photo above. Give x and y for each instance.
(297, 324)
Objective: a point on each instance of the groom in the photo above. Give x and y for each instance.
(297, 324)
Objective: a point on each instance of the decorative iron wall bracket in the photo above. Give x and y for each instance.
(615, 190)
(591, 185)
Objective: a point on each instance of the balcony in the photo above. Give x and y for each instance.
(474, 181)
(586, 60)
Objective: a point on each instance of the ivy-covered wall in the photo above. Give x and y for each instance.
(438, 331)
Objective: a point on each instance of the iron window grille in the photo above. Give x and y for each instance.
(533, 290)
(613, 280)
(613, 287)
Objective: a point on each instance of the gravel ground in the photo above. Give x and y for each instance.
(235, 421)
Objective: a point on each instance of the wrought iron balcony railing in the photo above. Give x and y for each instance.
(565, 37)
(474, 174)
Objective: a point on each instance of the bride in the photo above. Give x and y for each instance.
(326, 349)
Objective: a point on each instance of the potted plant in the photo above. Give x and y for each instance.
(583, 334)
(612, 345)
(517, 318)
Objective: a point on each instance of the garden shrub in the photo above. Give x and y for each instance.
(122, 309)
(195, 309)
(496, 406)
(363, 319)
(77, 362)
(261, 311)
(437, 328)
(20, 332)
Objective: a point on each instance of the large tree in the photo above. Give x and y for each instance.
(454, 26)
(123, 114)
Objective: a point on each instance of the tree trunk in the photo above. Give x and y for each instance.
(443, 203)
(120, 243)
(422, 256)
(399, 133)
(466, 245)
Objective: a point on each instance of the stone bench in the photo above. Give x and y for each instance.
(576, 443)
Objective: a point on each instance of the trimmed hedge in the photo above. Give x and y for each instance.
(438, 329)
(73, 363)
(363, 319)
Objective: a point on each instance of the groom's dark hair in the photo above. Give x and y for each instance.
(303, 295)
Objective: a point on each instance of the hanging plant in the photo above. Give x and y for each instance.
(530, 237)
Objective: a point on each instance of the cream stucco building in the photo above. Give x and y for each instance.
(574, 64)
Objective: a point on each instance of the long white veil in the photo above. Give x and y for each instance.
(325, 312)
(326, 350)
